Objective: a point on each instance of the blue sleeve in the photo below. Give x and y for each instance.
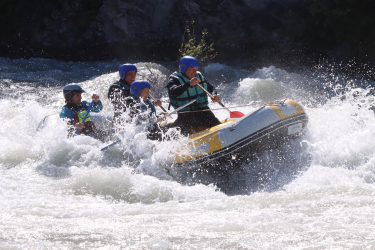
(68, 117)
(66, 113)
(97, 107)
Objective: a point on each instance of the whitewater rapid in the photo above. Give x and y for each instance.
(58, 193)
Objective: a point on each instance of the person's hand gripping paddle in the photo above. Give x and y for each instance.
(233, 114)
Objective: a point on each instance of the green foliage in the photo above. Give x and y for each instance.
(201, 51)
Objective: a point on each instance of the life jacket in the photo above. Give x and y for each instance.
(125, 88)
(79, 113)
(192, 93)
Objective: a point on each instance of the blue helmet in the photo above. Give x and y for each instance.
(137, 86)
(70, 90)
(188, 61)
(125, 68)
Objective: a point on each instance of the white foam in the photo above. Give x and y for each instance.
(65, 193)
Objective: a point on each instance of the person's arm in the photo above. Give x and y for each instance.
(211, 88)
(97, 107)
(67, 114)
(175, 88)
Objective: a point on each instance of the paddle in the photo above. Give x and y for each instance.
(110, 145)
(233, 114)
(87, 113)
(160, 106)
(171, 113)
(183, 106)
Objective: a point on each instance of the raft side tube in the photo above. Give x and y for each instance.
(277, 120)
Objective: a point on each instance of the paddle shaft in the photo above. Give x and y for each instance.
(209, 94)
(155, 101)
(110, 145)
(87, 113)
(178, 109)
(171, 113)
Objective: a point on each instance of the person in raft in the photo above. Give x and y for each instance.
(141, 108)
(120, 90)
(75, 109)
(182, 88)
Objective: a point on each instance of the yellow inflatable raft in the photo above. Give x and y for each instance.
(236, 139)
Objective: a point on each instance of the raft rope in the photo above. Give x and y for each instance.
(195, 111)
(241, 106)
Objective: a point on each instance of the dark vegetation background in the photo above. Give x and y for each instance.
(288, 33)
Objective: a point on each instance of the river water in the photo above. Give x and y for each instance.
(316, 192)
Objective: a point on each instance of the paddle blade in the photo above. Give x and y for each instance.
(236, 114)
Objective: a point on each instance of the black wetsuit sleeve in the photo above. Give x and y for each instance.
(211, 88)
(175, 88)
